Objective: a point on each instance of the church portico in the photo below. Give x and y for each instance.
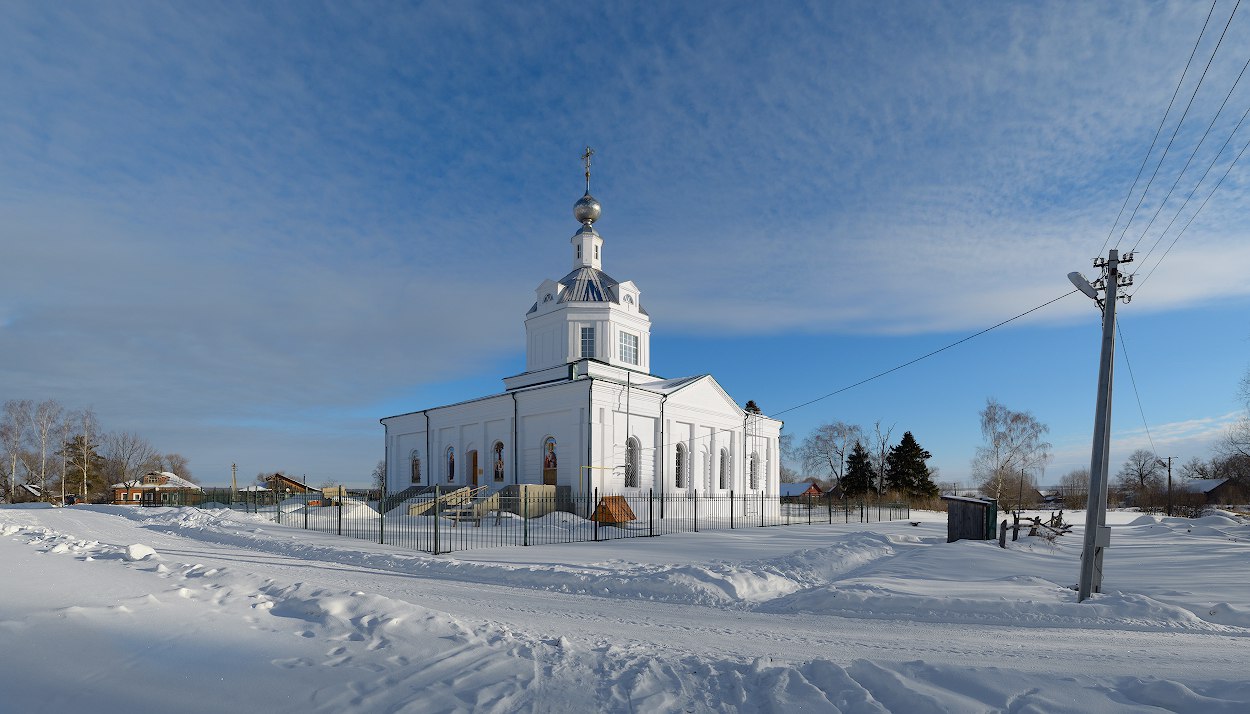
(587, 414)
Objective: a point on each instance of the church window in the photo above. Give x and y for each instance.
(579, 252)
(724, 469)
(631, 462)
(415, 464)
(596, 252)
(755, 472)
(629, 348)
(451, 464)
(679, 473)
(588, 342)
(550, 465)
(497, 449)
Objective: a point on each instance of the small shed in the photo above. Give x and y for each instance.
(969, 518)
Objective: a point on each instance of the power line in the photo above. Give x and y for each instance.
(877, 375)
(1133, 381)
(1162, 121)
(1191, 219)
(922, 357)
(1194, 190)
(1192, 154)
(1178, 124)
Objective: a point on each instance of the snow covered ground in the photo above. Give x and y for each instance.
(119, 609)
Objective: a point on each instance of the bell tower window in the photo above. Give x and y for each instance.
(629, 348)
(588, 342)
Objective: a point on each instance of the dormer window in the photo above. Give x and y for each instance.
(629, 299)
(547, 297)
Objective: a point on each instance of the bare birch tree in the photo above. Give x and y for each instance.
(14, 426)
(1013, 447)
(45, 426)
(826, 448)
(128, 455)
(880, 447)
(87, 422)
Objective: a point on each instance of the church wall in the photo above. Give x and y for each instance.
(616, 407)
(557, 412)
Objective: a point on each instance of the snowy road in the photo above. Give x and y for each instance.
(546, 627)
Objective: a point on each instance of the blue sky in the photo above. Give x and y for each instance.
(248, 231)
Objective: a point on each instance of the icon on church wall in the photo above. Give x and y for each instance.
(416, 466)
(499, 461)
(451, 464)
(549, 461)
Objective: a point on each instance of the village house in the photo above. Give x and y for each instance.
(156, 488)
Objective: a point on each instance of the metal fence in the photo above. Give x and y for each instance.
(443, 520)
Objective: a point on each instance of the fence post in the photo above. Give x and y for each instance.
(437, 494)
(525, 514)
(305, 510)
(731, 509)
(829, 496)
(761, 509)
(382, 519)
(696, 510)
(340, 499)
(651, 512)
(595, 516)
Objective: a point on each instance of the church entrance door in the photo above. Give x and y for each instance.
(473, 469)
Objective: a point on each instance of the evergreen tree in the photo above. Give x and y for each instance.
(858, 479)
(905, 469)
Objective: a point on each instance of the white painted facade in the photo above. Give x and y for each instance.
(588, 393)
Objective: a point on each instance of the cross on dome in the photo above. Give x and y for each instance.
(587, 209)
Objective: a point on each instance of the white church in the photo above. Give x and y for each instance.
(587, 413)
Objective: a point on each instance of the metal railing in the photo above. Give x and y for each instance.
(448, 519)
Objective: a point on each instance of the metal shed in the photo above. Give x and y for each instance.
(969, 518)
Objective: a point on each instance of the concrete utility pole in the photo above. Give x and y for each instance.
(1097, 534)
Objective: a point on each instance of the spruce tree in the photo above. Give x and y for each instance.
(859, 473)
(905, 469)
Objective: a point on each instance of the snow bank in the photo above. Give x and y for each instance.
(139, 551)
(865, 618)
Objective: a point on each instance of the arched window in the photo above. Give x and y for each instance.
(755, 472)
(679, 473)
(631, 462)
(451, 464)
(415, 458)
(724, 468)
(497, 450)
(550, 471)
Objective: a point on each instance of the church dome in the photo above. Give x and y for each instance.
(586, 210)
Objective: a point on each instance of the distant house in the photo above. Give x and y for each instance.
(1209, 490)
(27, 493)
(800, 490)
(285, 484)
(156, 488)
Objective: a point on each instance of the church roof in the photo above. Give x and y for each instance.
(587, 284)
(668, 386)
